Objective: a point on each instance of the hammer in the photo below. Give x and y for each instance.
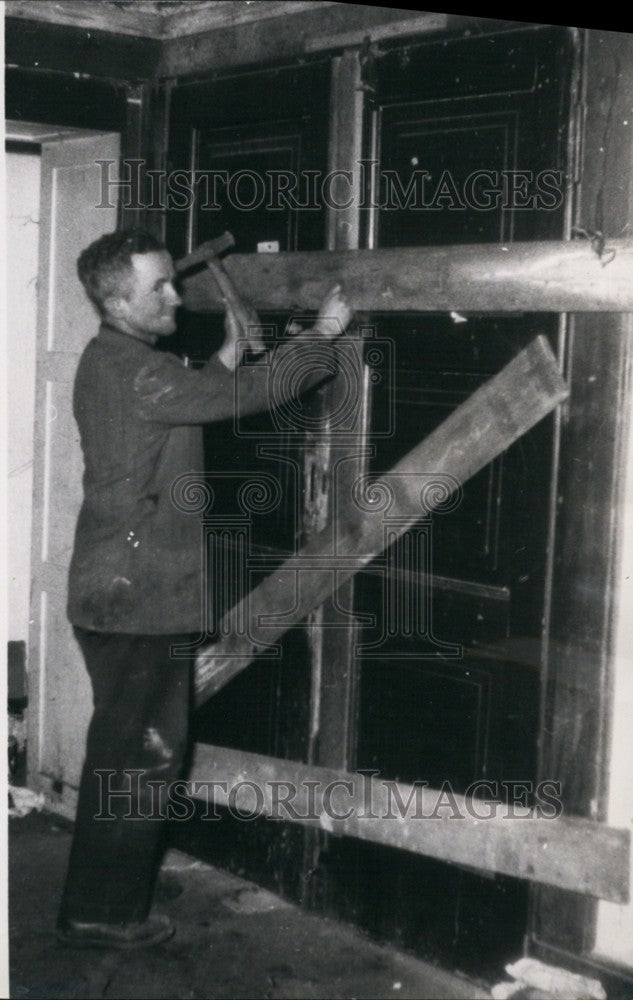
(208, 253)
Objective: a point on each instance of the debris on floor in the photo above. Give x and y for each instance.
(255, 901)
(534, 980)
(22, 801)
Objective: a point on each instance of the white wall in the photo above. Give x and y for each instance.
(614, 937)
(22, 240)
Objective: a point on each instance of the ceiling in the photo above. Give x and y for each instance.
(156, 18)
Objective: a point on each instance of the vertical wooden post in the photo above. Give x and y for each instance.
(590, 501)
(133, 148)
(345, 150)
(145, 140)
(156, 149)
(336, 731)
(334, 680)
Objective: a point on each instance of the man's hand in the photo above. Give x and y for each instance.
(334, 315)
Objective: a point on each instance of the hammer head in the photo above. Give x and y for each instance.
(206, 251)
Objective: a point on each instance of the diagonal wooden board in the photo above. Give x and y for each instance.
(485, 425)
(519, 277)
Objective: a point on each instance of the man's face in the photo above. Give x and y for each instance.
(149, 307)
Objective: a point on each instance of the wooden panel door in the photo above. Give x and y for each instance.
(59, 690)
(449, 664)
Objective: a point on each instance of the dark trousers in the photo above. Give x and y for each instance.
(136, 746)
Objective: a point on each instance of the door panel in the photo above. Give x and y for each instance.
(60, 699)
(451, 151)
(251, 126)
(251, 158)
(426, 713)
(259, 121)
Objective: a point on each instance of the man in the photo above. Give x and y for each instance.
(136, 586)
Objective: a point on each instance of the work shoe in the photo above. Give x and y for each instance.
(140, 934)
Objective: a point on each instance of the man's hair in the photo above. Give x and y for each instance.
(105, 267)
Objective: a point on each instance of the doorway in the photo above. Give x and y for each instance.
(69, 196)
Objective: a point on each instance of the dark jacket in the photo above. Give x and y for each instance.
(137, 563)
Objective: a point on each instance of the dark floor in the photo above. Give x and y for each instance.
(234, 940)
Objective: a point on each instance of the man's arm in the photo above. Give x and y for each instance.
(243, 326)
(171, 394)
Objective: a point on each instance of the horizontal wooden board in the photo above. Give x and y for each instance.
(520, 277)
(410, 26)
(287, 37)
(570, 853)
(155, 20)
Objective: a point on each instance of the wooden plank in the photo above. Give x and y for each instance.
(485, 425)
(458, 829)
(133, 147)
(274, 39)
(196, 17)
(345, 149)
(334, 671)
(419, 25)
(520, 277)
(157, 142)
(103, 16)
(143, 20)
(335, 708)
